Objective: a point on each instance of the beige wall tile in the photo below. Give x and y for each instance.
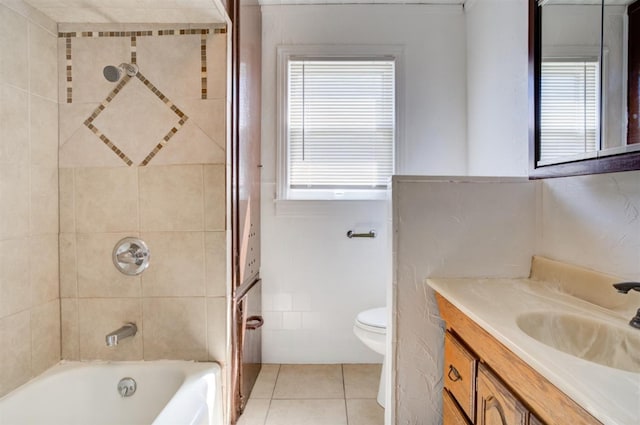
(174, 328)
(13, 44)
(44, 269)
(90, 56)
(308, 412)
(14, 132)
(45, 336)
(69, 329)
(33, 15)
(136, 120)
(293, 382)
(210, 116)
(15, 351)
(217, 66)
(216, 263)
(85, 149)
(99, 317)
(97, 275)
(44, 132)
(15, 292)
(68, 270)
(190, 146)
(215, 197)
(66, 200)
(106, 199)
(73, 115)
(43, 63)
(14, 200)
(177, 265)
(171, 198)
(44, 200)
(172, 63)
(217, 328)
(361, 380)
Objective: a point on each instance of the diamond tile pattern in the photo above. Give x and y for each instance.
(136, 141)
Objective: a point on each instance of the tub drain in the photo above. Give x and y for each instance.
(127, 387)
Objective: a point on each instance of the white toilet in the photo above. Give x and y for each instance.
(371, 328)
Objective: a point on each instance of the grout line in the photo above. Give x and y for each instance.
(344, 389)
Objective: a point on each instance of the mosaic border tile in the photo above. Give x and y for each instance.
(69, 72)
(145, 33)
(170, 133)
(203, 32)
(181, 115)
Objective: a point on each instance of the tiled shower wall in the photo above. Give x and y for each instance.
(143, 157)
(29, 303)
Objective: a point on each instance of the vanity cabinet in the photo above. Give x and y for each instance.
(496, 404)
(451, 412)
(486, 384)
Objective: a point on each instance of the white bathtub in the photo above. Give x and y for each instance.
(83, 393)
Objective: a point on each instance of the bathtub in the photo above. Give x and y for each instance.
(83, 393)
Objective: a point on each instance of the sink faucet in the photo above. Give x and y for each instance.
(624, 288)
(112, 339)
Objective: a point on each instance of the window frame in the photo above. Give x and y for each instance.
(341, 52)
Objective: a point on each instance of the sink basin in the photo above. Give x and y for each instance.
(588, 339)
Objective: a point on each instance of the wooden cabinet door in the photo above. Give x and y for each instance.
(451, 413)
(534, 421)
(496, 404)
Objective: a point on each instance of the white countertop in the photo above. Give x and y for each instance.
(610, 395)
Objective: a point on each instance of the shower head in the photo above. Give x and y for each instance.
(114, 73)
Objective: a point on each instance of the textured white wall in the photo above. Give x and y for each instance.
(315, 279)
(464, 228)
(592, 221)
(497, 74)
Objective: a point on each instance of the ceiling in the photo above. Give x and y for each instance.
(132, 11)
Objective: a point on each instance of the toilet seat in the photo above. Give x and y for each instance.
(373, 320)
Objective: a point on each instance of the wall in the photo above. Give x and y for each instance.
(447, 228)
(497, 78)
(29, 304)
(144, 157)
(592, 221)
(315, 279)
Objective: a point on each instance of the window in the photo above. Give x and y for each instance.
(338, 128)
(568, 108)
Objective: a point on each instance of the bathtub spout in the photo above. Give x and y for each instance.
(112, 339)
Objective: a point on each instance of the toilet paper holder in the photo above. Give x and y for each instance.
(352, 234)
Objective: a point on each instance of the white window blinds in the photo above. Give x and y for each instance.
(340, 123)
(568, 108)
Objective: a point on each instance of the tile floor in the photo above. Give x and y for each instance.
(315, 395)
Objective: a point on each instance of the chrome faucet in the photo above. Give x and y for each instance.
(624, 288)
(112, 339)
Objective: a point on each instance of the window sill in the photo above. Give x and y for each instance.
(326, 207)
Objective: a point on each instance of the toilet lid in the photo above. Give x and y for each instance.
(376, 317)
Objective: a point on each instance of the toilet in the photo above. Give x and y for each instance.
(371, 328)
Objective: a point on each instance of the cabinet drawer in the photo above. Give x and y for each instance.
(451, 413)
(459, 374)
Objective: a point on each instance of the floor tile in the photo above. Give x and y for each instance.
(364, 412)
(309, 381)
(255, 413)
(361, 380)
(266, 381)
(307, 412)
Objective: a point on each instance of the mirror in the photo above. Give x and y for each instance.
(586, 66)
